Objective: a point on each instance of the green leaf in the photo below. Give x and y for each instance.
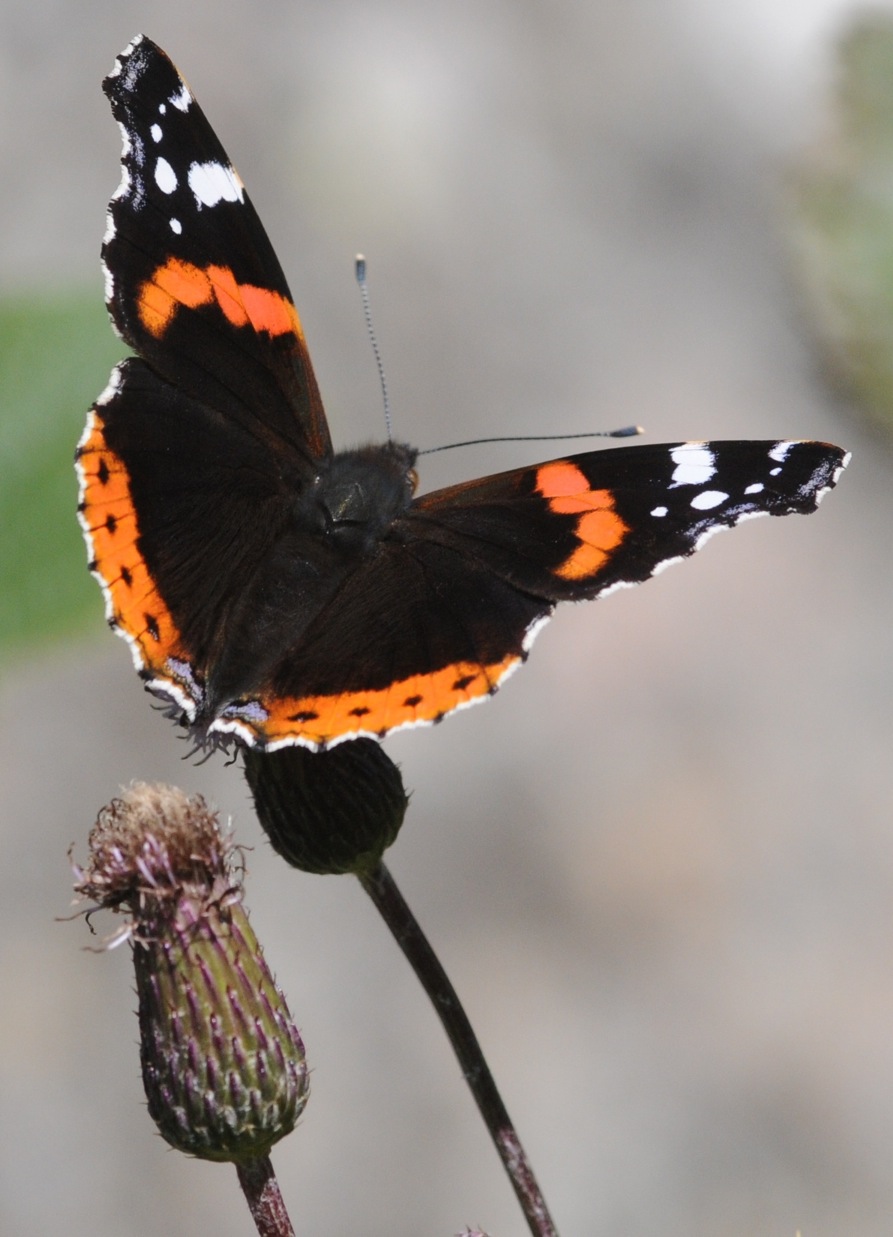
(55, 358)
(842, 221)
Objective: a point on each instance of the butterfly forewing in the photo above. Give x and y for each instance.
(194, 285)
(570, 528)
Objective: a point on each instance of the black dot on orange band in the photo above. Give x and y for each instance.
(307, 716)
(152, 626)
(127, 576)
(111, 523)
(102, 472)
(360, 711)
(412, 701)
(465, 681)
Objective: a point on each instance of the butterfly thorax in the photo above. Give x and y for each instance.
(358, 494)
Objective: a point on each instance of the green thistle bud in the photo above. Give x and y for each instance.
(223, 1063)
(328, 812)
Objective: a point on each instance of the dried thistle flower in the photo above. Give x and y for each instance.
(223, 1063)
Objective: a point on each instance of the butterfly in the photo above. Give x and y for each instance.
(275, 591)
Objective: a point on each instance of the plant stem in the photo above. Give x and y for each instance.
(261, 1190)
(380, 886)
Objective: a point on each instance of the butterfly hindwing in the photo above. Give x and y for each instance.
(190, 524)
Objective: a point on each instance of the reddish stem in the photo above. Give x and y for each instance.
(261, 1190)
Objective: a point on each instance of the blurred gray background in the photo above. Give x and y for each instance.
(659, 865)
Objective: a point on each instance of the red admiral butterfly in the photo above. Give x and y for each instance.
(276, 591)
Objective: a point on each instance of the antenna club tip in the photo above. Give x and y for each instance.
(360, 267)
(628, 431)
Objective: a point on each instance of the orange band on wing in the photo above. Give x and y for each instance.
(412, 701)
(599, 528)
(179, 284)
(560, 479)
(109, 521)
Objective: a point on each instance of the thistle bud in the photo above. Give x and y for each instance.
(223, 1064)
(333, 811)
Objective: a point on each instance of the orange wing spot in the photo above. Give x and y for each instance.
(172, 285)
(599, 532)
(418, 699)
(270, 311)
(178, 283)
(228, 294)
(599, 528)
(560, 479)
(133, 602)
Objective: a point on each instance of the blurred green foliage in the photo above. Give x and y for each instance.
(843, 220)
(55, 358)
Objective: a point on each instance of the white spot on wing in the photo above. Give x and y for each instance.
(756, 488)
(155, 130)
(695, 464)
(213, 182)
(660, 512)
(176, 226)
(708, 499)
(780, 451)
(182, 100)
(165, 176)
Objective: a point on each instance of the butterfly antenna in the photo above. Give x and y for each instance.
(360, 269)
(628, 431)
